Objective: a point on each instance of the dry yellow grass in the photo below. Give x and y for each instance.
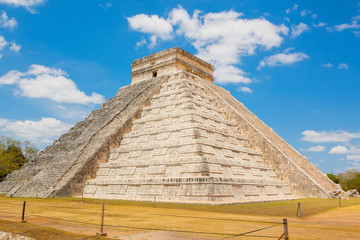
(322, 218)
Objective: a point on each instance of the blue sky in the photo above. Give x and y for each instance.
(295, 64)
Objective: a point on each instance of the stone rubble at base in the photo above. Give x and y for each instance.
(175, 136)
(13, 236)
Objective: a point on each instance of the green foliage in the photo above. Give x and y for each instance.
(348, 180)
(14, 154)
(333, 177)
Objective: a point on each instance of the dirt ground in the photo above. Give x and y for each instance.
(70, 219)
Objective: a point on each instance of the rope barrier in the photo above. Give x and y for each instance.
(230, 235)
(143, 228)
(256, 230)
(10, 203)
(221, 219)
(167, 230)
(12, 214)
(90, 209)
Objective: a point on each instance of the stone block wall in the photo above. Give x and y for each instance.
(304, 178)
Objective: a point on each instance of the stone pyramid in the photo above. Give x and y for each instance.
(174, 135)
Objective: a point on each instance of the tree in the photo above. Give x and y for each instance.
(348, 180)
(14, 154)
(334, 178)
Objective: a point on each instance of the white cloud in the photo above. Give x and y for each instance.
(341, 27)
(106, 5)
(330, 136)
(357, 18)
(52, 83)
(6, 22)
(314, 15)
(344, 150)
(43, 131)
(229, 74)
(305, 12)
(15, 47)
(220, 38)
(317, 148)
(28, 4)
(141, 43)
(152, 24)
(343, 66)
(22, 3)
(41, 69)
(282, 59)
(11, 77)
(338, 150)
(320, 24)
(297, 30)
(353, 157)
(3, 42)
(327, 65)
(289, 10)
(245, 89)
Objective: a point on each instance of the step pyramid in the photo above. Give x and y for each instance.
(184, 148)
(175, 136)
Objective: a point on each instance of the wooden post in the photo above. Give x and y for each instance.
(154, 201)
(101, 233)
(286, 233)
(298, 211)
(339, 201)
(82, 197)
(23, 213)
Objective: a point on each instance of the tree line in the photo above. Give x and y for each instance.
(348, 180)
(14, 154)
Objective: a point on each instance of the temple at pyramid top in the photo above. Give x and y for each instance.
(174, 135)
(168, 62)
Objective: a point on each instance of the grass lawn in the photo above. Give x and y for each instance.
(322, 218)
(39, 232)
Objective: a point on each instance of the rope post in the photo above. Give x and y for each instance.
(298, 212)
(286, 232)
(101, 233)
(154, 201)
(339, 201)
(23, 213)
(82, 197)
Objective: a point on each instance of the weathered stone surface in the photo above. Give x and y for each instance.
(174, 135)
(13, 236)
(352, 193)
(289, 164)
(62, 168)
